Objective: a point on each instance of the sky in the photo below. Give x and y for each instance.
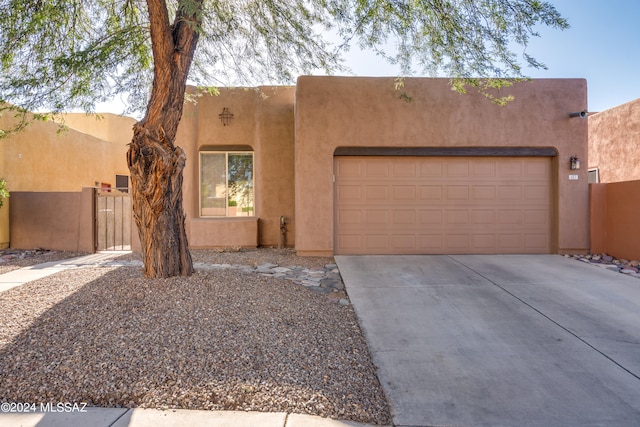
(602, 46)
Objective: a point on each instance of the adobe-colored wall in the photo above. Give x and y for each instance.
(106, 126)
(263, 120)
(41, 159)
(614, 138)
(52, 220)
(598, 217)
(336, 112)
(614, 219)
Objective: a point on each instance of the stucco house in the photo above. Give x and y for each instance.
(345, 165)
(354, 168)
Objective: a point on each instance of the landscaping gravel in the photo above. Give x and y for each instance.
(221, 339)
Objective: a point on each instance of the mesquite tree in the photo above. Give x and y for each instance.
(57, 55)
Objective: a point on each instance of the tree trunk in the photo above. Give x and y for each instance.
(156, 180)
(155, 163)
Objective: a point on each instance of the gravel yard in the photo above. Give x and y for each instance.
(220, 340)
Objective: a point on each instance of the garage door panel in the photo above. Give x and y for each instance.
(536, 217)
(484, 217)
(349, 194)
(428, 243)
(483, 242)
(508, 217)
(404, 218)
(377, 242)
(377, 217)
(457, 192)
(536, 193)
(430, 168)
(349, 167)
(454, 243)
(403, 193)
(376, 193)
(429, 217)
(402, 169)
(510, 169)
(483, 169)
(443, 205)
(456, 217)
(483, 193)
(430, 192)
(537, 170)
(457, 168)
(349, 217)
(403, 242)
(349, 242)
(510, 193)
(510, 242)
(536, 242)
(376, 168)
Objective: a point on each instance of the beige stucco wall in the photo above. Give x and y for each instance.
(262, 120)
(334, 112)
(106, 126)
(614, 138)
(42, 159)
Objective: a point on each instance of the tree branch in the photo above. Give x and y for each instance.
(162, 48)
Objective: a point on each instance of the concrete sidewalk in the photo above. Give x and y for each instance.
(27, 274)
(115, 417)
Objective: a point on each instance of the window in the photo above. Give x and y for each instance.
(226, 183)
(122, 183)
(594, 176)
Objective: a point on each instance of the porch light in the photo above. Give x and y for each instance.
(574, 163)
(226, 116)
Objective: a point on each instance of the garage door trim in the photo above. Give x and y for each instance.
(448, 151)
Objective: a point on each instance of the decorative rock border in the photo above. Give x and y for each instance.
(624, 266)
(326, 281)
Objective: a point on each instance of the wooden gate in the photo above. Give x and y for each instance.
(113, 220)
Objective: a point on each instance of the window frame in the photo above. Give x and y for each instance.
(226, 153)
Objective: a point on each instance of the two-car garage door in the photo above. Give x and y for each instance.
(442, 205)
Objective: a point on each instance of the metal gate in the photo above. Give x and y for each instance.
(113, 220)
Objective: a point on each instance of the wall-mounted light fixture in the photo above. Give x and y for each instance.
(574, 163)
(225, 117)
(582, 114)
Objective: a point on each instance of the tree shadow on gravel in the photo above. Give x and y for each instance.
(218, 340)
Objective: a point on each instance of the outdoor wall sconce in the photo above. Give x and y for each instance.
(582, 114)
(225, 117)
(574, 163)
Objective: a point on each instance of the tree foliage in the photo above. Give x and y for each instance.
(57, 55)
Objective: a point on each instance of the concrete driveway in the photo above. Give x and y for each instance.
(484, 340)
